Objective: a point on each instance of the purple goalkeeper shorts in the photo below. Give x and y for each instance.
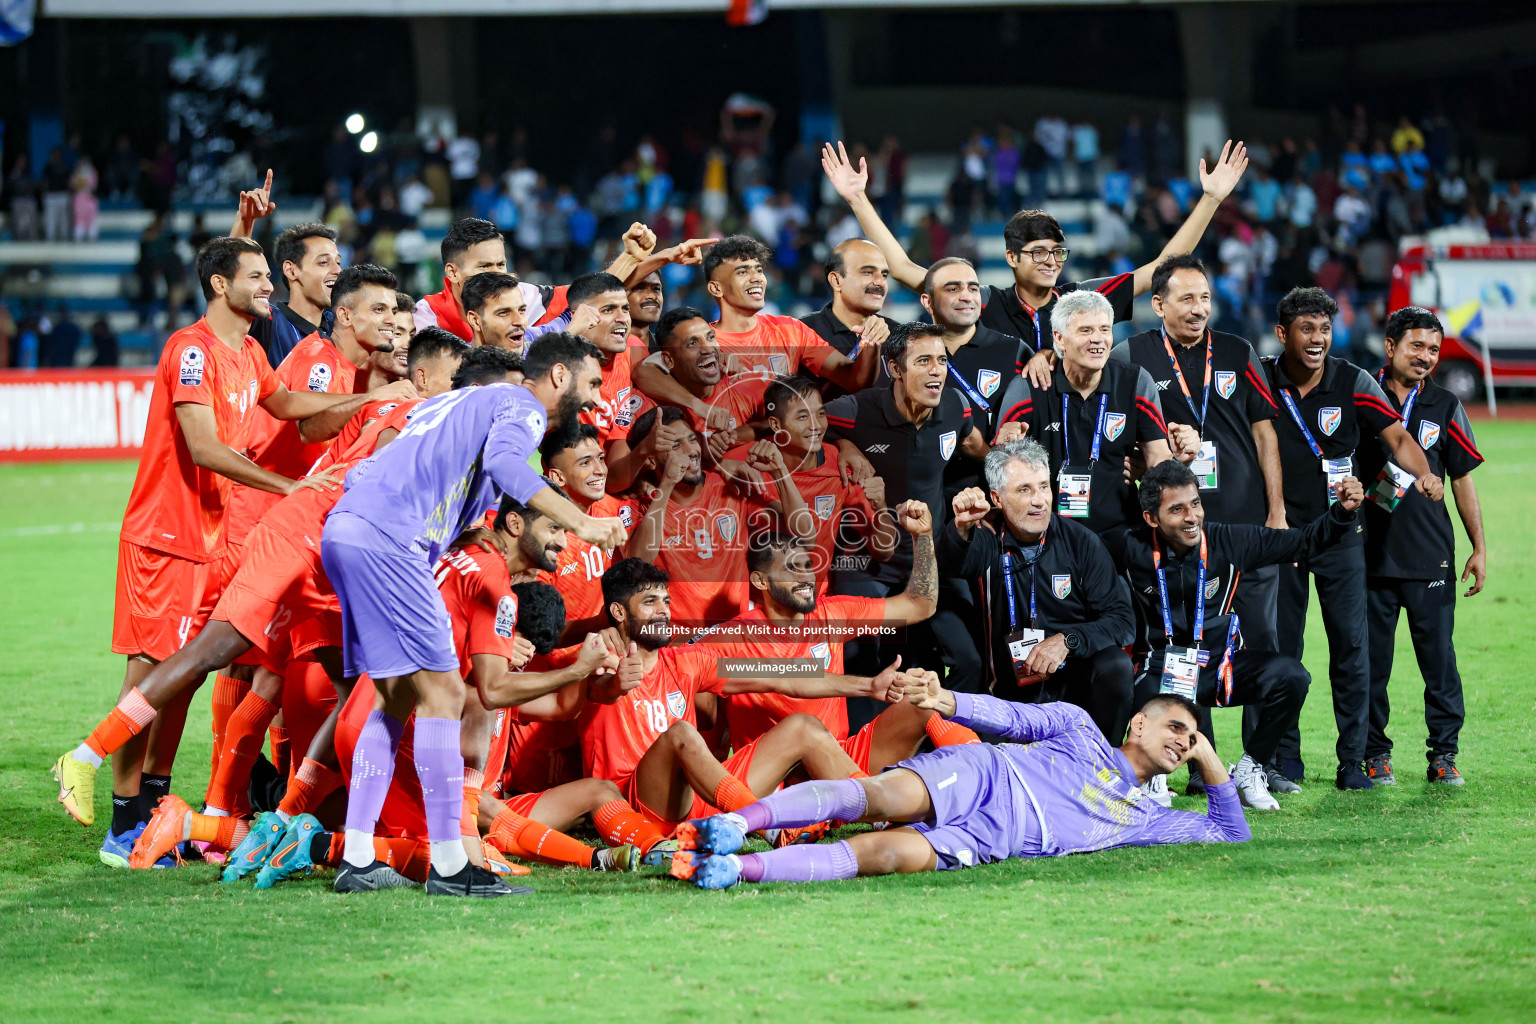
(979, 813)
(392, 617)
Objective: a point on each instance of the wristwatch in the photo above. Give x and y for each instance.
(1071, 641)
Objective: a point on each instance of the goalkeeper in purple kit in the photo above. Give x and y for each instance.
(460, 453)
(1058, 788)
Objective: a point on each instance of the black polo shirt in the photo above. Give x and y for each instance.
(1344, 412)
(910, 459)
(980, 370)
(1077, 589)
(841, 337)
(1002, 309)
(1239, 398)
(1415, 540)
(1132, 416)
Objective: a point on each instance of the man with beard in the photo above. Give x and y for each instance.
(496, 310)
(857, 273)
(402, 509)
(473, 246)
(1330, 409)
(308, 262)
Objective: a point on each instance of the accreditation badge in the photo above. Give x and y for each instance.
(1181, 671)
(1336, 470)
(1204, 467)
(1072, 486)
(1391, 486)
(1020, 643)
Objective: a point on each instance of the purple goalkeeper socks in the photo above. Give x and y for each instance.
(373, 765)
(440, 767)
(809, 803)
(811, 863)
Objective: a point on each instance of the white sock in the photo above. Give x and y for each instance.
(284, 815)
(358, 848)
(449, 858)
(215, 812)
(84, 753)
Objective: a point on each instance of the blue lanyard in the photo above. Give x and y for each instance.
(1162, 590)
(1066, 430)
(1013, 615)
(1290, 404)
(1205, 402)
(970, 392)
(1407, 405)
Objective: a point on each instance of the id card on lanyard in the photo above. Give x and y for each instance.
(1074, 483)
(1181, 665)
(1021, 640)
(1205, 465)
(1335, 470)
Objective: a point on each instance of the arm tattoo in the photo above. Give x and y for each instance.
(924, 583)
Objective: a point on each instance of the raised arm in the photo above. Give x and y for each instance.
(849, 183)
(255, 204)
(327, 423)
(502, 687)
(1216, 184)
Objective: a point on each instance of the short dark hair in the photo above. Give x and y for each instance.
(1165, 270)
(1162, 701)
(352, 280)
(510, 506)
(557, 347)
(669, 321)
(646, 422)
(781, 393)
(1166, 475)
(432, 343)
(221, 256)
(479, 290)
(540, 615)
(763, 546)
(628, 577)
(947, 261)
(404, 303)
(1412, 318)
(566, 436)
(1030, 226)
(292, 245)
(894, 348)
(589, 286)
(1299, 302)
(484, 364)
(463, 234)
(734, 249)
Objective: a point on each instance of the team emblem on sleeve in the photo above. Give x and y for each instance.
(192, 364)
(1329, 417)
(1061, 586)
(677, 704)
(824, 503)
(822, 653)
(726, 524)
(946, 444)
(1429, 433)
(1226, 383)
(1114, 425)
(626, 516)
(625, 417)
(506, 617)
(987, 381)
(319, 377)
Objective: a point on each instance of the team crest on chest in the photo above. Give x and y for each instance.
(987, 381)
(1211, 587)
(1114, 425)
(946, 444)
(823, 653)
(1429, 433)
(506, 616)
(319, 377)
(677, 704)
(824, 504)
(779, 365)
(193, 363)
(1061, 586)
(1329, 417)
(1226, 383)
(726, 524)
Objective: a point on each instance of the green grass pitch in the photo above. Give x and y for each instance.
(1399, 905)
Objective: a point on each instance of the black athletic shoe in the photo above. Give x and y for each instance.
(1442, 769)
(472, 881)
(267, 785)
(377, 875)
(1351, 776)
(1292, 768)
(1379, 770)
(1196, 784)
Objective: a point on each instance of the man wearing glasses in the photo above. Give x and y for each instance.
(1036, 251)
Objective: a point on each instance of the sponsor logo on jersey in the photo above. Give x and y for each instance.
(319, 377)
(1429, 433)
(570, 569)
(1211, 587)
(626, 516)
(726, 524)
(824, 503)
(677, 704)
(536, 421)
(1053, 425)
(1329, 417)
(193, 362)
(1162, 385)
(386, 409)
(1226, 383)
(988, 381)
(878, 449)
(947, 444)
(506, 616)
(1061, 586)
(1114, 425)
(625, 417)
(823, 653)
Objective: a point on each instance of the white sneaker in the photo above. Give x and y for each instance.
(1253, 785)
(1157, 789)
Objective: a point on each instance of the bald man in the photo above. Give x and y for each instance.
(859, 278)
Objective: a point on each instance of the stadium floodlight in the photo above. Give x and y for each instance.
(368, 143)
(355, 123)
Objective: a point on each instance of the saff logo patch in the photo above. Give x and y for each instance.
(726, 524)
(1429, 433)
(1061, 586)
(626, 516)
(319, 377)
(1329, 417)
(987, 381)
(506, 617)
(625, 417)
(824, 504)
(1226, 383)
(677, 704)
(1114, 425)
(946, 444)
(193, 363)
(823, 653)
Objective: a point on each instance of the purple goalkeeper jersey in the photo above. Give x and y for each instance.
(454, 460)
(1082, 791)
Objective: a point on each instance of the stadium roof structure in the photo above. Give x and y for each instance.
(400, 8)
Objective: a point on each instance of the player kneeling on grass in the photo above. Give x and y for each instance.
(1058, 788)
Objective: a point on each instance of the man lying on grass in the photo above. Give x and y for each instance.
(1058, 788)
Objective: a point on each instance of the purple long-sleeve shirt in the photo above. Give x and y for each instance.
(1083, 792)
(455, 459)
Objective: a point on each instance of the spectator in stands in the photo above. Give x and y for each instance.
(56, 197)
(463, 167)
(159, 262)
(84, 203)
(23, 191)
(104, 341)
(1167, 155)
(1052, 133)
(1006, 161)
(1085, 151)
(62, 342)
(1132, 158)
(122, 171)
